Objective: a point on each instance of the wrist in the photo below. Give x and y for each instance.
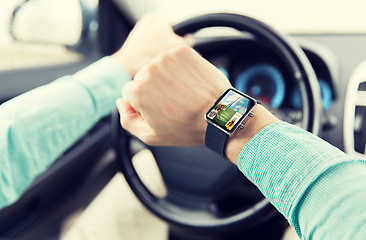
(237, 141)
(126, 62)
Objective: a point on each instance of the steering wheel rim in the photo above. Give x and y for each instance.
(195, 218)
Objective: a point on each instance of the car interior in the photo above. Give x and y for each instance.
(310, 72)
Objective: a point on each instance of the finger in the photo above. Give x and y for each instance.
(132, 121)
(189, 39)
(128, 114)
(129, 94)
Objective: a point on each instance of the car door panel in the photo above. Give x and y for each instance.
(72, 181)
(15, 82)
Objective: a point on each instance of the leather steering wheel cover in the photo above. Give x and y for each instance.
(177, 215)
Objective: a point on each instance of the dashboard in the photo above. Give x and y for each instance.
(255, 69)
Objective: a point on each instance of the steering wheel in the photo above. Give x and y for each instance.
(199, 182)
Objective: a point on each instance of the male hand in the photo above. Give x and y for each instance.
(152, 35)
(166, 102)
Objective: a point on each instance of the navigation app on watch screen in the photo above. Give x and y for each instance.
(230, 109)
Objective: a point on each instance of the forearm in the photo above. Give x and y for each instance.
(38, 126)
(291, 167)
(334, 205)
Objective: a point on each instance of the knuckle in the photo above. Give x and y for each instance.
(183, 51)
(161, 60)
(159, 63)
(153, 67)
(152, 71)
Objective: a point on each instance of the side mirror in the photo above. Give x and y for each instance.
(59, 22)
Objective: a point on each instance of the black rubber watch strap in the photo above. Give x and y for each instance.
(215, 140)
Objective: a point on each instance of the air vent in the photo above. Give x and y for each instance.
(362, 86)
(355, 113)
(359, 129)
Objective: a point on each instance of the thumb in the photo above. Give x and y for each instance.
(189, 39)
(132, 121)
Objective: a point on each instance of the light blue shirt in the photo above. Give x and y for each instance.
(318, 188)
(38, 126)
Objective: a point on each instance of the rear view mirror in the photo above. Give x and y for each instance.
(48, 21)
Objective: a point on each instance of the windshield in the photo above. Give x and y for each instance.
(291, 16)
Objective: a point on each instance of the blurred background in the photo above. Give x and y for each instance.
(44, 27)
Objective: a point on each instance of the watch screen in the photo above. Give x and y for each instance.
(230, 109)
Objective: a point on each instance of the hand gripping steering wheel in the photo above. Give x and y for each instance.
(200, 184)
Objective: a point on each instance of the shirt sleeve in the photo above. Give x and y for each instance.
(38, 126)
(318, 188)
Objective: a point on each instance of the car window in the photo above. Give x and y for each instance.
(43, 29)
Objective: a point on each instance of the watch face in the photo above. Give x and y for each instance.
(229, 110)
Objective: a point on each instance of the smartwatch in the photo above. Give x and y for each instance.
(229, 112)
